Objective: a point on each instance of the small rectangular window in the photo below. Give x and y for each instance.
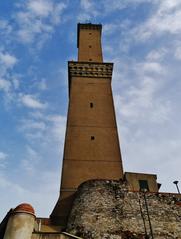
(91, 105)
(92, 137)
(143, 185)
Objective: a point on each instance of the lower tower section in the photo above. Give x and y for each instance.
(91, 144)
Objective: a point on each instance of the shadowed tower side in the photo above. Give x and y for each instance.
(91, 148)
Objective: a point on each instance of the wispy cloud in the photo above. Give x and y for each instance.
(5, 30)
(8, 79)
(31, 124)
(89, 10)
(46, 128)
(57, 127)
(166, 20)
(114, 5)
(40, 8)
(7, 60)
(31, 101)
(157, 55)
(178, 53)
(42, 84)
(33, 194)
(3, 158)
(5, 85)
(36, 20)
(31, 160)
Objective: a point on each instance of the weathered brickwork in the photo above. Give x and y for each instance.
(107, 210)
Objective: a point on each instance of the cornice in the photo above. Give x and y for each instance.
(87, 69)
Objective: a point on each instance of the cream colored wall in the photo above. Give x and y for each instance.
(20, 226)
(133, 180)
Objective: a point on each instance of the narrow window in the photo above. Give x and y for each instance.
(90, 46)
(91, 105)
(92, 137)
(143, 185)
(90, 33)
(90, 59)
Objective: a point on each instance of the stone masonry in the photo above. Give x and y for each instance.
(105, 209)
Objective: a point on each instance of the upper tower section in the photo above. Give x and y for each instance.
(89, 42)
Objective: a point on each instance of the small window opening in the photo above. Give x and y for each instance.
(143, 185)
(90, 59)
(90, 33)
(92, 137)
(91, 105)
(90, 46)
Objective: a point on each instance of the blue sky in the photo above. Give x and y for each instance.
(37, 38)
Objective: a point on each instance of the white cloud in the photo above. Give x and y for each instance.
(86, 4)
(29, 31)
(9, 80)
(116, 27)
(108, 6)
(141, 100)
(89, 10)
(15, 192)
(58, 127)
(3, 156)
(8, 60)
(44, 130)
(16, 82)
(30, 161)
(153, 67)
(156, 55)
(167, 6)
(5, 85)
(37, 20)
(166, 20)
(30, 124)
(5, 29)
(57, 13)
(178, 53)
(25, 35)
(31, 101)
(42, 8)
(49, 128)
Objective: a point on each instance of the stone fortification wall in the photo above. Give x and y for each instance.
(107, 210)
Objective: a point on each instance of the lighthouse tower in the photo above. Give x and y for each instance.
(91, 148)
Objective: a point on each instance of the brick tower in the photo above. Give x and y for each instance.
(91, 148)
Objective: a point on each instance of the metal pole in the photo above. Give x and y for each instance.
(176, 183)
(142, 215)
(151, 231)
(178, 189)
